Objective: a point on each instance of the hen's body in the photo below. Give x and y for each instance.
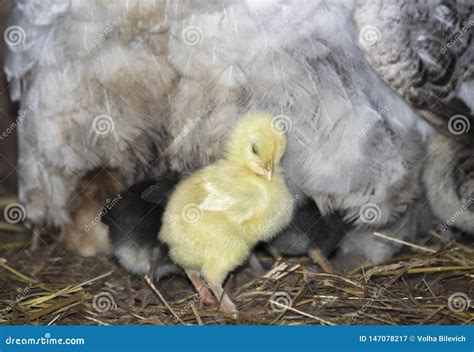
(424, 51)
(173, 76)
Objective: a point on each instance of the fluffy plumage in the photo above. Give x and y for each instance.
(85, 234)
(449, 180)
(173, 76)
(134, 221)
(133, 224)
(311, 233)
(424, 51)
(96, 97)
(218, 214)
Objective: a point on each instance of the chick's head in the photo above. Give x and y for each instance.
(255, 143)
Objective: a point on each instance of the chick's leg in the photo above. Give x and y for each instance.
(35, 241)
(272, 251)
(214, 273)
(158, 262)
(319, 258)
(256, 266)
(226, 306)
(200, 286)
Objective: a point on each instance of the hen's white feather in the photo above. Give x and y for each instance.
(173, 76)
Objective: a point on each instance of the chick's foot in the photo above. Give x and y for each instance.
(320, 259)
(201, 287)
(226, 304)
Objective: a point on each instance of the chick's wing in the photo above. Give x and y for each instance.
(238, 202)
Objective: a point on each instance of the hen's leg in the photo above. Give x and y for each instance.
(200, 286)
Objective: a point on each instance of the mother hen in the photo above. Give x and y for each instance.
(134, 88)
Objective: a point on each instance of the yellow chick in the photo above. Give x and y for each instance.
(216, 216)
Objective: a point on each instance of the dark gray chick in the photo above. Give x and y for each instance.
(134, 223)
(313, 234)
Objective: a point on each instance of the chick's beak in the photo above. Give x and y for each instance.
(269, 171)
(268, 174)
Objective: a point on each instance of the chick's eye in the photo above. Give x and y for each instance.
(254, 149)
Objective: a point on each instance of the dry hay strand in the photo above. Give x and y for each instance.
(430, 286)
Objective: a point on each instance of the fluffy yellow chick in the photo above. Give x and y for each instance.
(216, 216)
